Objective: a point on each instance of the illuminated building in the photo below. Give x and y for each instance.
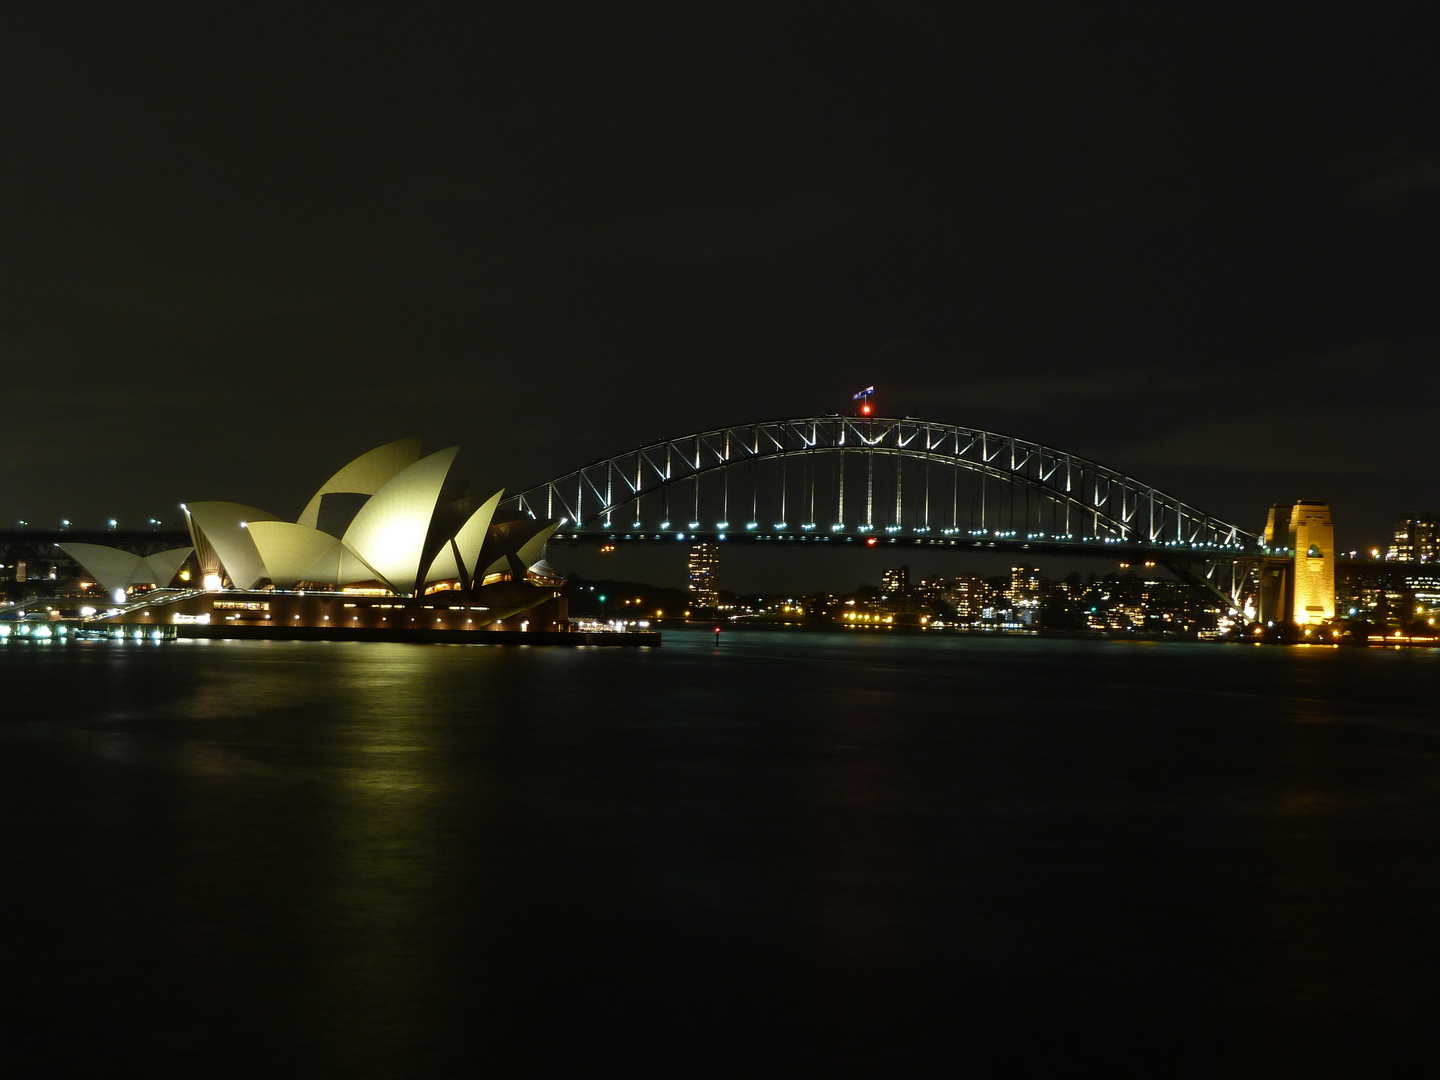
(966, 595)
(1424, 590)
(1416, 539)
(895, 582)
(704, 575)
(1024, 583)
(1297, 574)
(116, 570)
(1024, 592)
(387, 522)
(390, 524)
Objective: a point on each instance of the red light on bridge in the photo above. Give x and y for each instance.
(871, 541)
(865, 409)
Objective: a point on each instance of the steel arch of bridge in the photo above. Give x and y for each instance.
(1096, 503)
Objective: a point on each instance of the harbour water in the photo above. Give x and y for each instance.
(788, 854)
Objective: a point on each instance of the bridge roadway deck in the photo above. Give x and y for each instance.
(1160, 553)
(880, 540)
(22, 543)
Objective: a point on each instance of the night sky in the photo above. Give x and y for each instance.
(238, 250)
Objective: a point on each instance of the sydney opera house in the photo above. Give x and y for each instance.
(389, 544)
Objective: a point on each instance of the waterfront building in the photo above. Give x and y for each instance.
(1024, 583)
(966, 595)
(1024, 592)
(931, 590)
(389, 525)
(1426, 587)
(896, 581)
(1417, 539)
(389, 522)
(705, 575)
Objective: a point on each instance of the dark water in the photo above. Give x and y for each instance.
(798, 854)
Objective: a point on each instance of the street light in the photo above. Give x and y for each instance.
(113, 524)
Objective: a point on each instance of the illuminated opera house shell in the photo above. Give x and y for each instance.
(118, 570)
(389, 520)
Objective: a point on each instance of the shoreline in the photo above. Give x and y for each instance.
(649, 638)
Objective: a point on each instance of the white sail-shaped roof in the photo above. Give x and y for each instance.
(164, 565)
(390, 530)
(363, 476)
(114, 568)
(353, 569)
(471, 536)
(526, 554)
(295, 553)
(534, 548)
(443, 567)
(469, 539)
(221, 523)
(111, 567)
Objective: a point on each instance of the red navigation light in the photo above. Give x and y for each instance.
(870, 542)
(865, 409)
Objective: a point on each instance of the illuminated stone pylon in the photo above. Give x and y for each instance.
(1297, 575)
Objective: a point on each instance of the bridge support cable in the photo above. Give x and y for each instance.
(725, 508)
(926, 469)
(899, 486)
(955, 500)
(869, 489)
(754, 496)
(810, 487)
(784, 493)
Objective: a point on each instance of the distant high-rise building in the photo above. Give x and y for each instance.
(705, 575)
(895, 582)
(1024, 582)
(1025, 593)
(930, 590)
(966, 595)
(1417, 539)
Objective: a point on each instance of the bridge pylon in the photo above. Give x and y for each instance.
(1297, 565)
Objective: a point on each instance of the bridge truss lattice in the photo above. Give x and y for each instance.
(833, 476)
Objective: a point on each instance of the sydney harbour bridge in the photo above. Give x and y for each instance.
(838, 481)
(854, 482)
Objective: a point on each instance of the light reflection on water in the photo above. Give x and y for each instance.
(864, 850)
